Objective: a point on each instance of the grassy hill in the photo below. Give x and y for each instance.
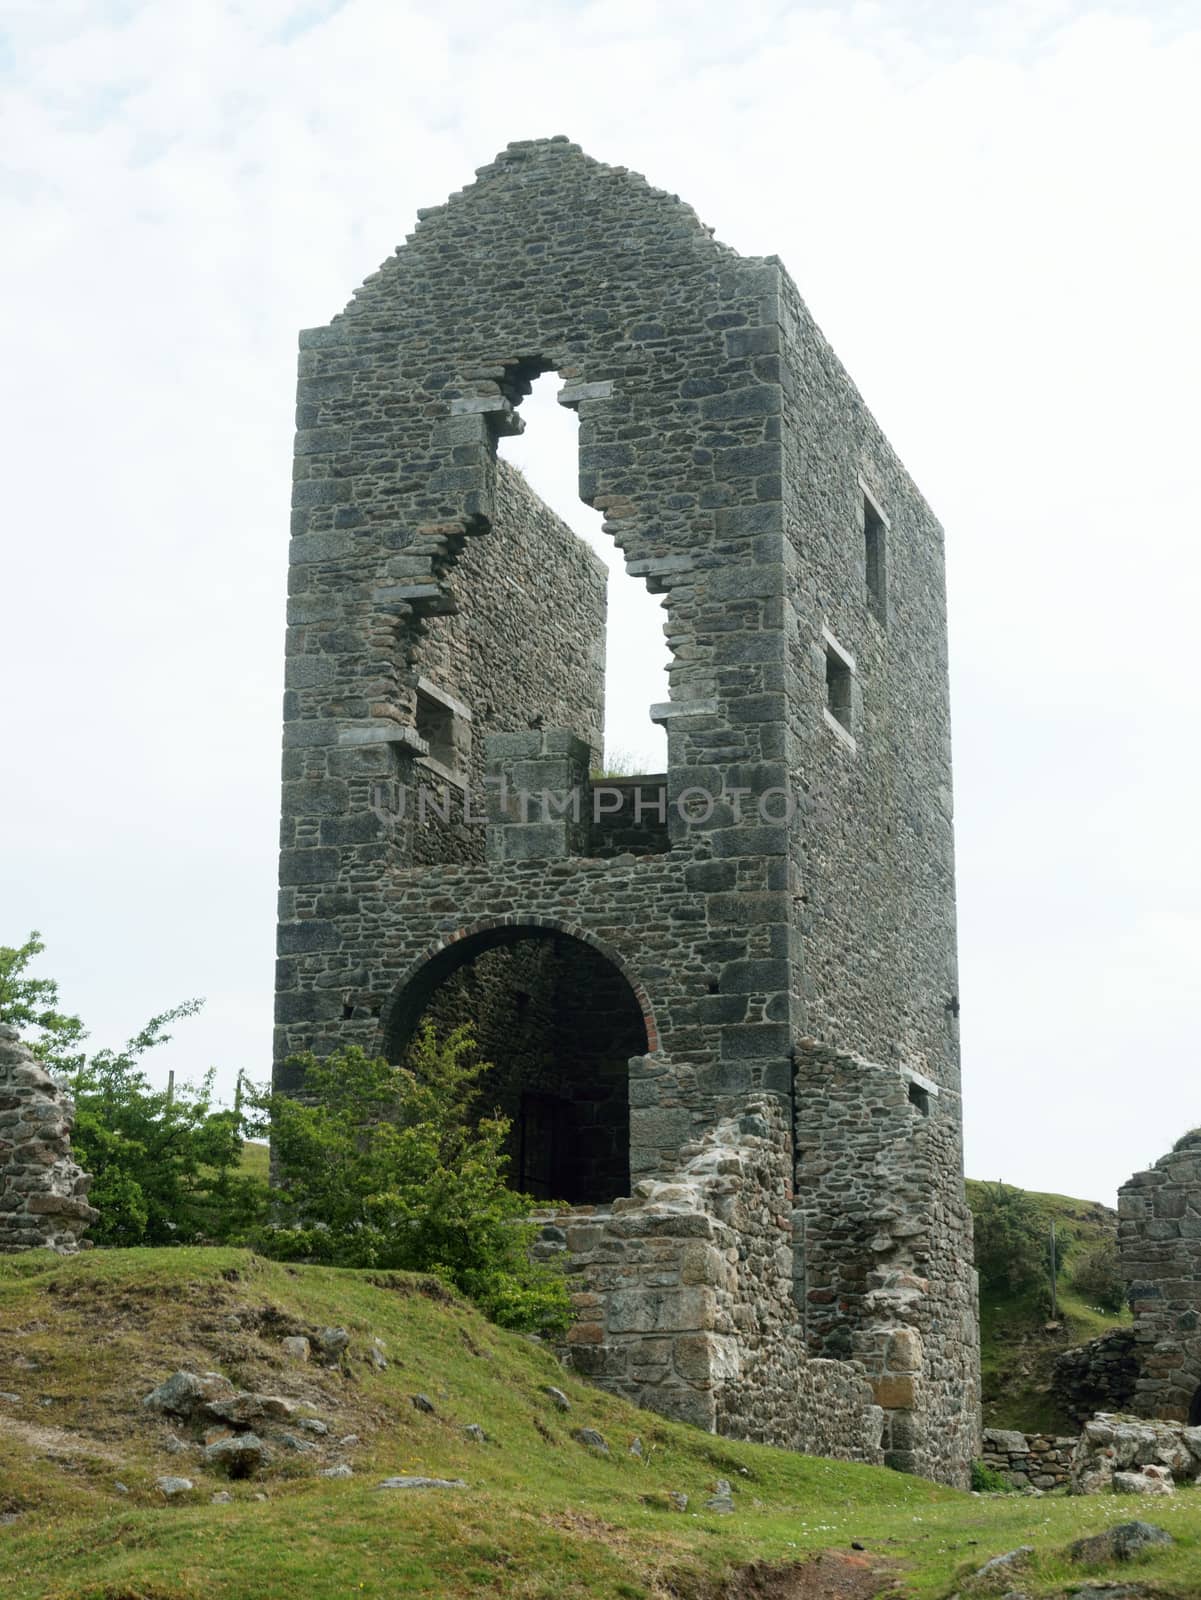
(1019, 1344)
(541, 1515)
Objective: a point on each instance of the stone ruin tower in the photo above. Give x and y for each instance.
(719, 1001)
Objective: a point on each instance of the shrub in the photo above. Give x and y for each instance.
(987, 1480)
(1012, 1242)
(1099, 1278)
(384, 1166)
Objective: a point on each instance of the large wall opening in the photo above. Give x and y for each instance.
(558, 1023)
(1194, 1411)
(636, 655)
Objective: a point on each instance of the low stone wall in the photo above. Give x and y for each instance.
(1099, 1376)
(685, 1299)
(42, 1190)
(1029, 1460)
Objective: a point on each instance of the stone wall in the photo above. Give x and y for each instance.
(1159, 1239)
(884, 1266)
(1099, 1376)
(43, 1193)
(685, 1302)
(1029, 1460)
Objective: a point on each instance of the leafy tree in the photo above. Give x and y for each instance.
(1098, 1276)
(385, 1166)
(1012, 1241)
(164, 1162)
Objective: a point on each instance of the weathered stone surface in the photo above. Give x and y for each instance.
(1159, 1240)
(722, 1498)
(1111, 1446)
(1119, 1543)
(592, 1440)
(173, 1486)
(422, 1483)
(1151, 1480)
(43, 1191)
(240, 1455)
(446, 629)
(185, 1392)
(296, 1347)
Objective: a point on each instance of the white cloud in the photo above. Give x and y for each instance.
(989, 209)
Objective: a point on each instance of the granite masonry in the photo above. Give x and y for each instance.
(1159, 1239)
(719, 1003)
(43, 1192)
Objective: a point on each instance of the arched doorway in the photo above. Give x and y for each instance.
(558, 1021)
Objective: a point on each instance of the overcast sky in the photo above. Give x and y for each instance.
(992, 212)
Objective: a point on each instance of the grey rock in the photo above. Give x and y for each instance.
(342, 1470)
(722, 1499)
(313, 1425)
(293, 1441)
(475, 1433)
(592, 1440)
(172, 1486)
(348, 1441)
(636, 1448)
(185, 1392)
(240, 1455)
(296, 1347)
(562, 1403)
(332, 1344)
(422, 1402)
(9, 1398)
(677, 1499)
(221, 1498)
(1151, 1480)
(422, 1483)
(1119, 1543)
(121, 1488)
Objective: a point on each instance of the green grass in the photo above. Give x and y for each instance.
(1017, 1349)
(85, 1338)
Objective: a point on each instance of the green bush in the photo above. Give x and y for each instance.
(1012, 1242)
(987, 1480)
(1099, 1278)
(385, 1166)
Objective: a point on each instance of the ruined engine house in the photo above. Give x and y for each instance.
(719, 1000)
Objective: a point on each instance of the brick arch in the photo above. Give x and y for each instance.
(439, 960)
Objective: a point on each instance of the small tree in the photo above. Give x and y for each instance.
(384, 1166)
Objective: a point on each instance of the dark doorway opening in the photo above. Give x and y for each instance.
(557, 1022)
(1194, 1411)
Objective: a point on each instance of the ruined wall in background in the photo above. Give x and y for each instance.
(43, 1192)
(1159, 1239)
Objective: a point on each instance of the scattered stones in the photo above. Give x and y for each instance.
(9, 1398)
(422, 1402)
(475, 1433)
(348, 1441)
(423, 1483)
(240, 1455)
(313, 1425)
(592, 1440)
(221, 1498)
(560, 1400)
(175, 1446)
(340, 1471)
(296, 1347)
(722, 1499)
(1119, 1543)
(677, 1499)
(636, 1448)
(375, 1356)
(173, 1486)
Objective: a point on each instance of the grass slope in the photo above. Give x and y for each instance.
(83, 1339)
(1017, 1348)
